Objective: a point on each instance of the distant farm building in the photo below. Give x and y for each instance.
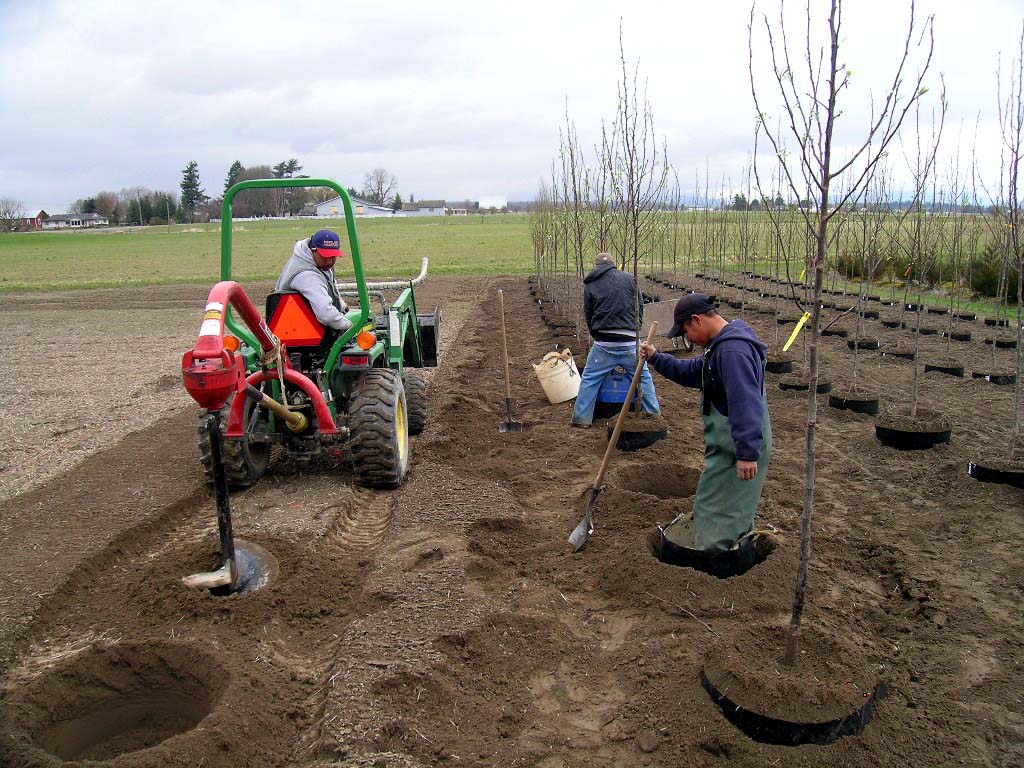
(75, 221)
(33, 222)
(425, 208)
(364, 209)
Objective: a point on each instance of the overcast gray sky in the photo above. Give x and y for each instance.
(457, 99)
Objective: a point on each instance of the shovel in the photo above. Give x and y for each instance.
(511, 425)
(582, 532)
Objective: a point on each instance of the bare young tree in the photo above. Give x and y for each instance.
(808, 91)
(12, 214)
(378, 186)
(639, 173)
(1011, 125)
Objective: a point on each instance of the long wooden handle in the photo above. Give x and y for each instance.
(504, 344)
(622, 413)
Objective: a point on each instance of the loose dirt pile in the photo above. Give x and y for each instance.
(446, 623)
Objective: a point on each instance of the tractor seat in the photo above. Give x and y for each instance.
(291, 319)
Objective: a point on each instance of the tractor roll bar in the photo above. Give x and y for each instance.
(390, 285)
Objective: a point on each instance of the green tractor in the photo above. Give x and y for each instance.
(287, 381)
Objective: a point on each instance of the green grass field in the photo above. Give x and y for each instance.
(184, 253)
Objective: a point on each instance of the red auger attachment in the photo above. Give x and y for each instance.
(211, 372)
(211, 381)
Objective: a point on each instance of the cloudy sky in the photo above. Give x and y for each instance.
(457, 99)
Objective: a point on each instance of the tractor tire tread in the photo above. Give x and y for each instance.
(374, 443)
(416, 399)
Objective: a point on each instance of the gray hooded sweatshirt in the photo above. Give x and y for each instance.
(317, 285)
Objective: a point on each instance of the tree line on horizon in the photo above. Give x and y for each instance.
(139, 205)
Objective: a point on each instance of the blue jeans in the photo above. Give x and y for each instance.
(601, 362)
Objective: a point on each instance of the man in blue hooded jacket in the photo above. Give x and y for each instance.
(737, 428)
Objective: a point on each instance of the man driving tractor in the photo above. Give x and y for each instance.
(310, 271)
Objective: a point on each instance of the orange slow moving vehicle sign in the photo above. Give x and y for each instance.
(294, 322)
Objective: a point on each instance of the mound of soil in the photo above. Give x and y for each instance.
(828, 681)
(924, 421)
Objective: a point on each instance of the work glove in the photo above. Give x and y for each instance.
(342, 325)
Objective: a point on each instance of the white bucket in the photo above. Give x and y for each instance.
(558, 376)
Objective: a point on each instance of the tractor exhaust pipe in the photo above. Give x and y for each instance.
(295, 421)
(390, 285)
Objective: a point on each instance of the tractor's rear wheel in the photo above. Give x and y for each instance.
(244, 461)
(416, 399)
(379, 424)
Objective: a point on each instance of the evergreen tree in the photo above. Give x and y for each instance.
(192, 195)
(234, 175)
(396, 204)
(289, 200)
(287, 169)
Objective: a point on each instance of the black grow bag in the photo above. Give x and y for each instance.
(911, 441)
(870, 314)
(779, 366)
(997, 323)
(949, 370)
(995, 378)
(867, 405)
(770, 730)
(634, 441)
(824, 387)
(720, 564)
(985, 474)
(892, 323)
(958, 335)
(840, 332)
(869, 344)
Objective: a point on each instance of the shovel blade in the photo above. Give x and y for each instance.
(510, 426)
(581, 534)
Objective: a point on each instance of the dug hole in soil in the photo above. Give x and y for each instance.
(445, 623)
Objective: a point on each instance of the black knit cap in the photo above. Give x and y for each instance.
(687, 307)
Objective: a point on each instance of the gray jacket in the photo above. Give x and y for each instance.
(317, 285)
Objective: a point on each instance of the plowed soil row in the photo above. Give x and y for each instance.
(445, 623)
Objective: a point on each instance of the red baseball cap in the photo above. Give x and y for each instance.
(327, 243)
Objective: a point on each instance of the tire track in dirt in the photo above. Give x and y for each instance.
(359, 530)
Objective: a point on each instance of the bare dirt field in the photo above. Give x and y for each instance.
(445, 623)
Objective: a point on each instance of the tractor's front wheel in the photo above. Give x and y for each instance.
(379, 424)
(416, 398)
(244, 461)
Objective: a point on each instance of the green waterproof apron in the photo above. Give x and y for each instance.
(724, 508)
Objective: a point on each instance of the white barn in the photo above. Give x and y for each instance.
(75, 221)
(425, 208)
(364, 209)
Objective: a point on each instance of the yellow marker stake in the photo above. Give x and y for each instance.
(802, 273)
(796, 331)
